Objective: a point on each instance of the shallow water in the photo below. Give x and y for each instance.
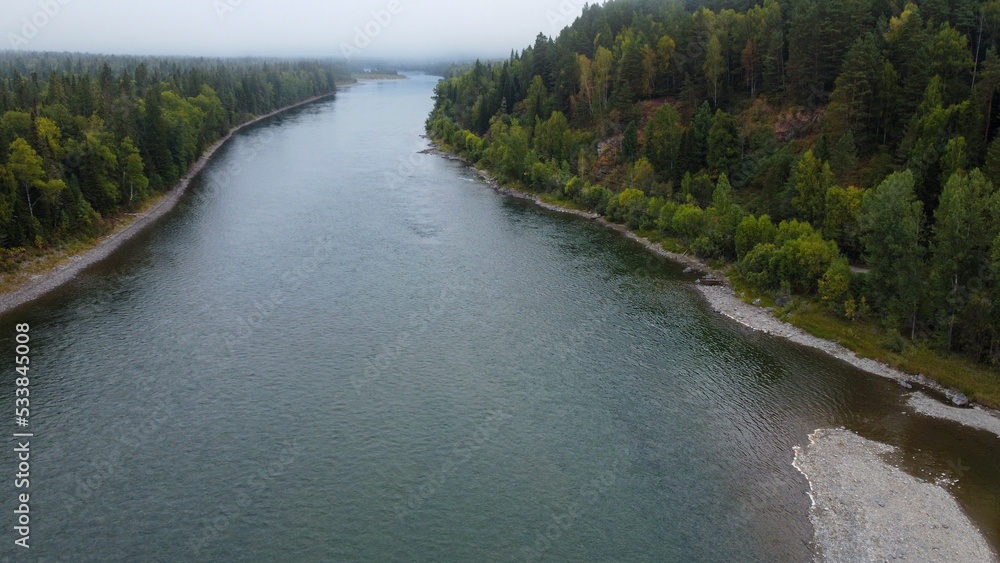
(336, 348)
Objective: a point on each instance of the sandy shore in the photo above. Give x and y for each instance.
(40, 284)
(865, 509)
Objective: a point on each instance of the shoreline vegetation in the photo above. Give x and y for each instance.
(55, 268)
(724, 300)
(91, 144)
(842, 160)
(863, 508)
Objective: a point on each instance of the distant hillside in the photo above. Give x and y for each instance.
(788, 138)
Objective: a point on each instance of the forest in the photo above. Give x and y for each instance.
(843, 152)
(85, 139)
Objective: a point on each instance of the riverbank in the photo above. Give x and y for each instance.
(866, 509)
(841, 469)
(723, 300)
(28, 286)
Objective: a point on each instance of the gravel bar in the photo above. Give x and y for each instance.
(865, 509)
(976, 417)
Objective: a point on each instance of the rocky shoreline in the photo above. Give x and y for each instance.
(866, 509)
(722, 300)
(40, 284)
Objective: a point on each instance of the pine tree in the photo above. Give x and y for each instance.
(630, 143)
(891, 222)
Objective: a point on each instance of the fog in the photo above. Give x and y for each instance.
(400, 29)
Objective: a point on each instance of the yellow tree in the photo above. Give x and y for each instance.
(603, 61)
(586, 81)
(649, 69)
(714, 66)
(26, 166)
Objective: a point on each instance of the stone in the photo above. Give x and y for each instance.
(688, 270)
(959, 400)
(769, 309)
(757, 302)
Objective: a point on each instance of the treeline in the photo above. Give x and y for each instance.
(791, 138)
(85, 138)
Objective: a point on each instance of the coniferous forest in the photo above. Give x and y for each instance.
(84, 139)
(791, 139)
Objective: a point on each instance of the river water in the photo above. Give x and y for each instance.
(336, 348)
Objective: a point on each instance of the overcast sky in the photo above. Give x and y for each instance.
(313, 28)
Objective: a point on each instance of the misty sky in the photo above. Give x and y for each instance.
(313, 28)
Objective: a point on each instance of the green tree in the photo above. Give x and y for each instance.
(752, 232)
(801, 262)
(663, 139)
(843, 210)
(725, 216)
(853, 100)
(951, 59)
(723, 143)
(630, 142)
(844, 158)
(134, 179)
(835, 285)
(601, 67)
(811, 180)
(537, 101)
(964, 227)
(689, 222)
(891, 222)
(694, 147)
(553, 139)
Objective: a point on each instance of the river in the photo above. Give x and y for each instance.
(337, 348)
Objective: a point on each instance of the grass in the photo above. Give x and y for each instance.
(561, 201)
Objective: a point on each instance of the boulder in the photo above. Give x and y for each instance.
(688, 270)
(959, 400)
(757, 302)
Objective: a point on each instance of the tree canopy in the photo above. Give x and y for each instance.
(791, 137)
